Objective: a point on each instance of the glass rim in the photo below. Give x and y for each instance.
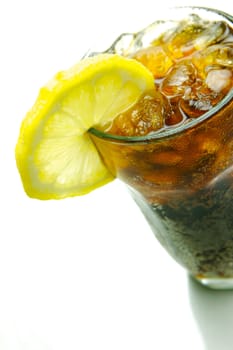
(183, 126)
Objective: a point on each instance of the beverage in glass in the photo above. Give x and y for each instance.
(174, 148)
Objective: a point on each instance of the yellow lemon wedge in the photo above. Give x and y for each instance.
(54, 153)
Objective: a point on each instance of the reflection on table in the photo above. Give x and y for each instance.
(213, 311)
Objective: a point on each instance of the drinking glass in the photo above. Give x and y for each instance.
(181, 177)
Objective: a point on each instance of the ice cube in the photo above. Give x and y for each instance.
(146, 116)
(195, 34)
(180, 41)
(219, 79)
(224, 55)
(149, 114)
(214, 33)
(200, 100)
(220, 55)
(156, 59)
(180, 78)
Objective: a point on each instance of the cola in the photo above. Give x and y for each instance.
(174, 147)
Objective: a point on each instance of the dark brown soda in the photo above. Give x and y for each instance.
(183, 182)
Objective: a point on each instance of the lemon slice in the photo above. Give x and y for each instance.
(55, 155)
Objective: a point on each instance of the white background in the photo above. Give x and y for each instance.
(87, 272)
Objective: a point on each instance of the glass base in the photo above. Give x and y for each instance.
(216, 283)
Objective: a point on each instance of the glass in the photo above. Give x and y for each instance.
(181, 177)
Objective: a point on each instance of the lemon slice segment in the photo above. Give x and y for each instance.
(54, 153)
